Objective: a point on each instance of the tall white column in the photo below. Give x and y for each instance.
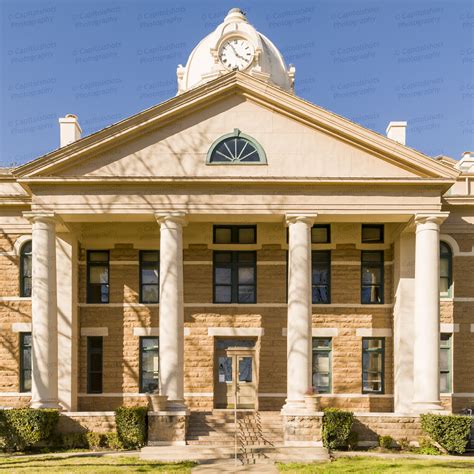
(426, 344)
(44, 390)
(171, 309)
(299, 310)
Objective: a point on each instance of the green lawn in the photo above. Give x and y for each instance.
(376, 465)
(89, 464)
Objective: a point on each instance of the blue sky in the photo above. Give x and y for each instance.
(371, 62)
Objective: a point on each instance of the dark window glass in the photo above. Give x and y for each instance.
(445, 365)
(372, 233)
(235, 277)
(149, 364)
(321, 276)
(235, 150)
(322, 364)
(373, 365)
(25, 269)
(149, 276)
(321, 234)
(25, 362)
(446, 269)
(97, 276)
(372, 269)
(94, 364)
(235, 234)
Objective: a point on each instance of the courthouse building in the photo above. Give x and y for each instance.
(237, 215)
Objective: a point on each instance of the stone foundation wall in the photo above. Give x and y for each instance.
(306, 429)
(77, 422)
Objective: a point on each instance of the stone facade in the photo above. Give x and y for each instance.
(167, 428)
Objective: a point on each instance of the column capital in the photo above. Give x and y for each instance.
(47, 217)
(430, 218)
(174, 217)
(306, 218)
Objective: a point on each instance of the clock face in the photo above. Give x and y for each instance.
(236, 53)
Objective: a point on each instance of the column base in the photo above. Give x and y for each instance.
(52, 404)
(294, 405)
(426, 407)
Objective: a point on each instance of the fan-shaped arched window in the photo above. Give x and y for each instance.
(446, 269)
(25, 269)
(236, 148)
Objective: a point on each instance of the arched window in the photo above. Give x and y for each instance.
(236, 148)
(25, 269)
(446, 269)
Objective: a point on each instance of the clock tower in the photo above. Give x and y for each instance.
(235, 45)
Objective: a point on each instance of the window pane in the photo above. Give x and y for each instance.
(321, 381)
(95, 343)
(247, 235)
(371, 294)
(95, 362)
(246, 257)
(150, 293)
(372, 234)
(27, 265)
(245, 369)
(444, 383)
(223, 257)
(371, 276)
(372, 257)
(444, 267)
(445, 340)
(223, 276)
(320, 275)
(246, 294)
(372, 344)
(320, 294)
(246, 275)
(95, 383)
(321, 343)
(150, 275)
(443, 285)
(321, 362)
(320, 235)
(98, 274)
(150, 256)
(27, 381)
(149, 364)
(444, 360)
(98, 256)
(223, 235)
(223, 294)
(225, 369)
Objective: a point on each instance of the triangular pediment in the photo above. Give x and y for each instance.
(301, 140)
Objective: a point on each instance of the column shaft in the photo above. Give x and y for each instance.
(171, 309)
(299, 311)
(44, 315)
(426, 345)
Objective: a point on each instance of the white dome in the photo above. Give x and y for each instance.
(204, 62)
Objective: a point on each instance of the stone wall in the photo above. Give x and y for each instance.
(80, 422)
(306, 429)
(167, 428)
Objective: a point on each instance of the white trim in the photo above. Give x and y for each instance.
(229, 331)
(449, 327)
(141, 331)
(272, 395)
(463, 395)
(374, 332)
(467, 299)
(317, 332)
(98, 331)
(15, 394)
(271, 263)
(15, 298)
(352, 305)
(198, 394)
(236, 305)
(87, 413)
(111, 395)
(21, 327)
(472, 327)
(118, 305)
(19, 243)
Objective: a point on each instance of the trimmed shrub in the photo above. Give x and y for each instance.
(386, 442)
(337, 425)
(426, 447)
(94, 440)
(73, 440)
(131, 426)
(25, 428)
(112, 441)
(450, 431)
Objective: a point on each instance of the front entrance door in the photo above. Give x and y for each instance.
(235, 375)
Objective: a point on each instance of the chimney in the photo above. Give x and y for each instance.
(69, 130)
(397, 131)
(466, 163)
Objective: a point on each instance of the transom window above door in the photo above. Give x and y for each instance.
(236, 148)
